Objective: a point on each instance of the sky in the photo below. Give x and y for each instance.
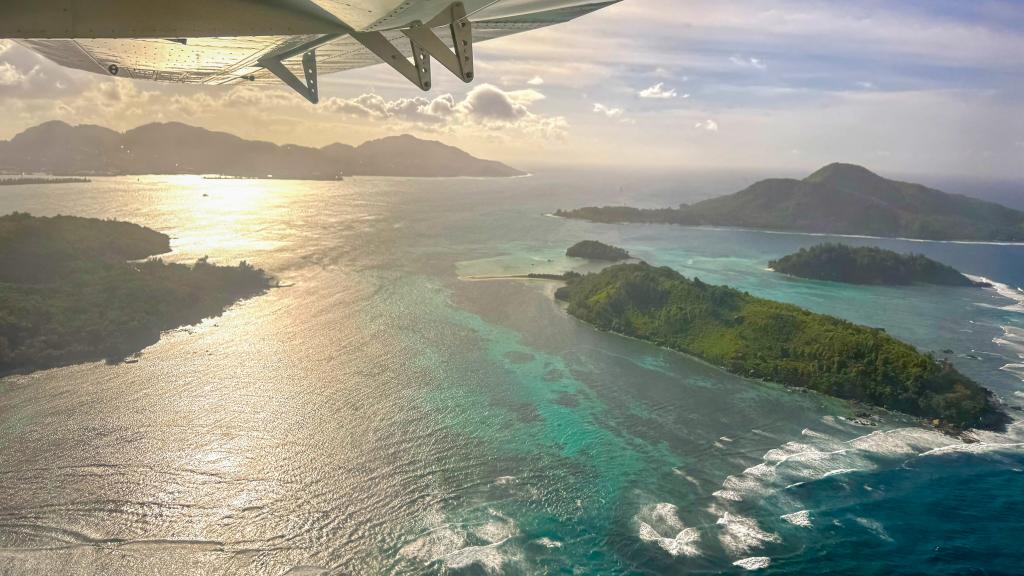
(911, 87)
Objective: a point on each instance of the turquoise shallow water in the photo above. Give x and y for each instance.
(386, 414)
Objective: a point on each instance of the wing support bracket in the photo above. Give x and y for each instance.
(425, 44)
(459, 59)
(307, 88)
(417, 71)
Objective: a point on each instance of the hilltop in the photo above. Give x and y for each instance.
(594, 250)
(175, 148)
(837, 199)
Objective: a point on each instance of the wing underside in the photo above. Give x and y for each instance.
(237, 59)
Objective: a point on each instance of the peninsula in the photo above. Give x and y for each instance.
(869, 265)
(837, 199)
(594, 250)
(72, 290)
(763, 339)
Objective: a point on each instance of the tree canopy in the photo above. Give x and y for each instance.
(69, 294)
(764, 339)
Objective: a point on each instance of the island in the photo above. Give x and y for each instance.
(869, 265)
(33, 180)
(78, 290)
(837, 199)
(763, 339)
(59, 148)
(594, 250)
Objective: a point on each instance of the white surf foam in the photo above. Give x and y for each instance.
(875, 527)
(801, 518)
(741, 535)
(456, 547)
(754, 563)
(1017, 369)
(548, 542)
(837, 472)
(435, 544)
(728, 495)
(660, 524)
(487, 557)
(495, 530)
(1006, 291)
(769, 485)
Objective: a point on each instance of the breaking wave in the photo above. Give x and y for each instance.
(660, 524)
(455, 546)
(1006, 291)
(757, 509)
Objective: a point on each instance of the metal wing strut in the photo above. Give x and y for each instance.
(459, 59)
(275, 64)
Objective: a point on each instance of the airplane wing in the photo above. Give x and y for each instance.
(221, 42)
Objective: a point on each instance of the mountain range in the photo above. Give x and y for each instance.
(174, 148)
(837, 199)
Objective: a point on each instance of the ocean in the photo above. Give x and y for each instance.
(386, 411)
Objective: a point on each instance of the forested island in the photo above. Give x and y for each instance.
(594, 250)
(837, 199)
(69, 291)
(33, 180)
(869, 265)
(759, 338)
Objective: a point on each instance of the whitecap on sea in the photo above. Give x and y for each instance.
(801, 518)
(754, 563)
(741, 535)
(1006, 291)
(875, 527)
(660, 524)
(456, 547)
(548, 542)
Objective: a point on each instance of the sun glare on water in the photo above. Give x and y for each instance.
(230, 216)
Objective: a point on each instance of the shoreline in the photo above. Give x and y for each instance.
(853, 406)
(796, 232)
(544, 277)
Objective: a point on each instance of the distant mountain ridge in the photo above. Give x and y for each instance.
(174, 148)
(837, 199)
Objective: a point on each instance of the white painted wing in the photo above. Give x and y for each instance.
(228, 60)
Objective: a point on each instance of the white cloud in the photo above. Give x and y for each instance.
(659, 92)
(485, 107)
(749, 62)
(709, 125)
(535, 81)
(9, 75)
(608, 111)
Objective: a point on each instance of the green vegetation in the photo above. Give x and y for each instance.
(837, 199)
(778, 342)
(869, 265)
(24, 181)
(594, 250)
(68, 293)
